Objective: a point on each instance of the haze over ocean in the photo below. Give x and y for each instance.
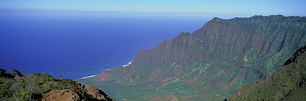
(83, 44)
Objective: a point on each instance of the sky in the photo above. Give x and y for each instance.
(202, 7)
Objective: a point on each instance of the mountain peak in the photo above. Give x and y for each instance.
(216, 19)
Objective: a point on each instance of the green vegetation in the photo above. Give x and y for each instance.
(2, 70)
(286, 83)
(62, 76)
(211, 63)
(19, 73)
(33, 87)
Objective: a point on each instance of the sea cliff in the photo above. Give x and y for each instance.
(211, 63)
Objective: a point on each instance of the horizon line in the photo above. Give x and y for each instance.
(140, 12)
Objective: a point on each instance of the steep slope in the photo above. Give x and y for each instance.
(287, 83)
(212, 63)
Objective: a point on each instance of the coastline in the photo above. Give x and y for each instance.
(88, 77)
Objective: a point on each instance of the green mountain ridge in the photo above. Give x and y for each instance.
(212, 63)
(19, 73)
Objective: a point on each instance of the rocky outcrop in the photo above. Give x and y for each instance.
(94, 92)
(61, 95)
(89, 92)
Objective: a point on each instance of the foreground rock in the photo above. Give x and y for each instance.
(61, 95)
(94, 92)
(67, 95)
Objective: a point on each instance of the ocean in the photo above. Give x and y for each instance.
(79, 45)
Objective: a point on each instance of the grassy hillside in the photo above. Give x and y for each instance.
(287, 83)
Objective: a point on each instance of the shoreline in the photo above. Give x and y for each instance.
(86, 77)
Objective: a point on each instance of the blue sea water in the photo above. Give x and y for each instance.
(83, 44)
